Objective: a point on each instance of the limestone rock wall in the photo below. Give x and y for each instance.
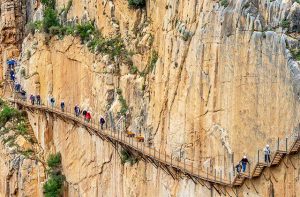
(12, 23)
(21, 166)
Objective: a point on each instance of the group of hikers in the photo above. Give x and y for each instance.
(11, 64)
(35, 99)
(241, 166)
(77, 111)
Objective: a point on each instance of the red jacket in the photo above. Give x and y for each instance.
(88, 115)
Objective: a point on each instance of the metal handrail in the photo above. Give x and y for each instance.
(185, 166)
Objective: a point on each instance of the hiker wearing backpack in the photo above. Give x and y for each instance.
(102, 122)
(267, 152)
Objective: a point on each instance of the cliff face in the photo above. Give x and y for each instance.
(225, 82)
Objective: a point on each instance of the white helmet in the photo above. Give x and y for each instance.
(245, 157)
(267, 145)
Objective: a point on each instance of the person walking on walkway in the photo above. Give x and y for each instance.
(84, 114)
(12, 75)
(88, 116)
(62, 106)
(238, 168)
(32, 99)
(52, 102)
(77, 110)
(102, 122)
(244, 162)
(267, 152)
(23, 94)
(38, 99)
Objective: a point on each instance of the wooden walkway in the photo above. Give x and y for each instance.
(164, 160)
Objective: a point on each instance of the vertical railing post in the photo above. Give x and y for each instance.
(229, 175)
(206, 172)
(159, 154)
(192, 167)
(257, 156)
(165, 156)
(215, 174)
(221, 175)
(232, 161)
(171, 158)
(286, 144)
(277, 143)
(249, 168)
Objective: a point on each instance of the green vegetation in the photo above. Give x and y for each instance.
(54, 185)
(152, 61)
(137, 3)
(285, 23)
(224, 3)
(296, 54)
(124, 106)
(133, 70)
(88, 33)
(127, 156)
(9, 139)
(298, 1)
(50, 19)
(27, 153)
(54, 161)
(49, 3)
(7, 114)
(21, 127)
(85, 30)
(151, 64)
(246, 5)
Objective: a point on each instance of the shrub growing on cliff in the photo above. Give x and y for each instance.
(50, 19)
(21, 127)
(224, 3)
(54, 185)
(124, 106)
(85, 30)
(137, 3)
(296, 54)
(54, 160)
(49, 3)
(7, 114)
(127, 156)
(151, 63)
(285, 23)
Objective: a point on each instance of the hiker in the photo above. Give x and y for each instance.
(77, 110)
(88, 116)
(244, 163)
(238, 168)
(11, 63)
(102, 122)
(38, 99)
(17, 87)
(267, 152)
(84, 114)
(62, 106)
(23, 94)
(32, 99)
(11, 74)
(13, 77)
(52, 101)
